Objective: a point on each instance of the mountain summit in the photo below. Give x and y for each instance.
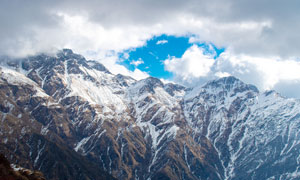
(71, 118)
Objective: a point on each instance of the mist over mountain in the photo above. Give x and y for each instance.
(71, 118)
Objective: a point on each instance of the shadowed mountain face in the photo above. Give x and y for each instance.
(72, 119)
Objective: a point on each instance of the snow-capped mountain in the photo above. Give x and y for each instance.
(70, 117)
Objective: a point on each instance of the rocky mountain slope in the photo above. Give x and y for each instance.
(71, 118)
(9, 172)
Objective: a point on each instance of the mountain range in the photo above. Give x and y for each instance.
(71, 118)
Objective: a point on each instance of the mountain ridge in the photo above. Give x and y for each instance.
(146, 129)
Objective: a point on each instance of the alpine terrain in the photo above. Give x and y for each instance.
(70, 118)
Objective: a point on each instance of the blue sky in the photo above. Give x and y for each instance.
(149, 58)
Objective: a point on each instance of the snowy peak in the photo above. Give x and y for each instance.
(76, 60)
(223, 87)
(66, 54)
(44, 61)
(146, 86)
(229, 84)
(150, 84)
(153, 82)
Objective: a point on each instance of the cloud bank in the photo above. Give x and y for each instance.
(258, 27)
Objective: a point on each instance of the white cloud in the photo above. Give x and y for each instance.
(111, 62)
(222, 74)
(161, 42)
(84, 35)
(137, 62)
(126, 55)
(193, 64)
(137, 74)
(266, 72)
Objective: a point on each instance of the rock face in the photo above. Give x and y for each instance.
(71, 118)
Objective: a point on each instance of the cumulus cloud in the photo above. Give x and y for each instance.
(193, 64)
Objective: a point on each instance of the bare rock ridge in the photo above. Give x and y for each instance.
(71, 118)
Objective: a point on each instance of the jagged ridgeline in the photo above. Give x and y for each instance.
(70, 118)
